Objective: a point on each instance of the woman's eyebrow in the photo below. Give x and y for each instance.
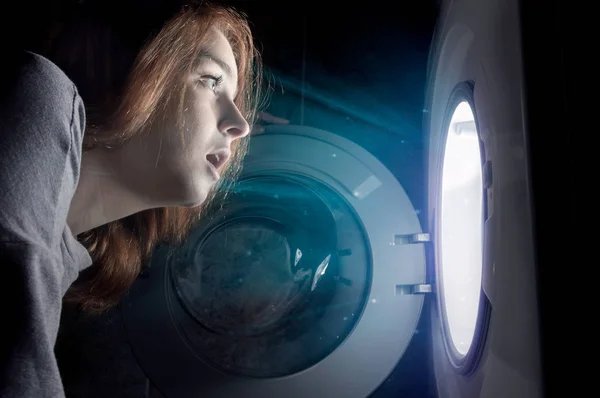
(207, 55)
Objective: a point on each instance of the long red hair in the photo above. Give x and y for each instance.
(125, 107)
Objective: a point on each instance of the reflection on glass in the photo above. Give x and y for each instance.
(461, 227)
(320, 272)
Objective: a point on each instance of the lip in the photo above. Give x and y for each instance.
(222, 155)
(214, 170)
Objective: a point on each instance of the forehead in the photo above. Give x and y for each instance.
(219, 50)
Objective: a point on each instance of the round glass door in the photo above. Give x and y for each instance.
(277, 282)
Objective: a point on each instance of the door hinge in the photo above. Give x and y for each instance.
(410, 239)
(422, 288)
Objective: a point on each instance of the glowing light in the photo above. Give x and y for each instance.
(461, 227)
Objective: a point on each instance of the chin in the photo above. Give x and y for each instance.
(194, 197)
(190, 191)
(191, 203)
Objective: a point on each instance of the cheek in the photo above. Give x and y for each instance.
(193, 142)
(199, 122)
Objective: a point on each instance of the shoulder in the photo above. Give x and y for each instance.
(34, 89)
(34, 80)
(32, 67)
(42, 120)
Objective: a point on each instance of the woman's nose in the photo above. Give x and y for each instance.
(234, 124)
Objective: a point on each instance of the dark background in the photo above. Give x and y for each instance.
(356, 69)
(371, 54)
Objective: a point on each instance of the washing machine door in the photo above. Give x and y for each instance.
(308, 281)
(485, 331)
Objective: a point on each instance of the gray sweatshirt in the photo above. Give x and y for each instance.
(42, 120)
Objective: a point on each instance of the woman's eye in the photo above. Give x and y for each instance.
(211, 82)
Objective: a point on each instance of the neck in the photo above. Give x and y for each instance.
(102, 195)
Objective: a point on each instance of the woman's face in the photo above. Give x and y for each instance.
(184, 169)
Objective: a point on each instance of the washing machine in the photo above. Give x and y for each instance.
(311, 278)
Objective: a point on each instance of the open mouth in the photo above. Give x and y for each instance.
(217, 159)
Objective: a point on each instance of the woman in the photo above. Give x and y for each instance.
(160, 131)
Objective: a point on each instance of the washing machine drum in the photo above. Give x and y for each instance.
(296, 286)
